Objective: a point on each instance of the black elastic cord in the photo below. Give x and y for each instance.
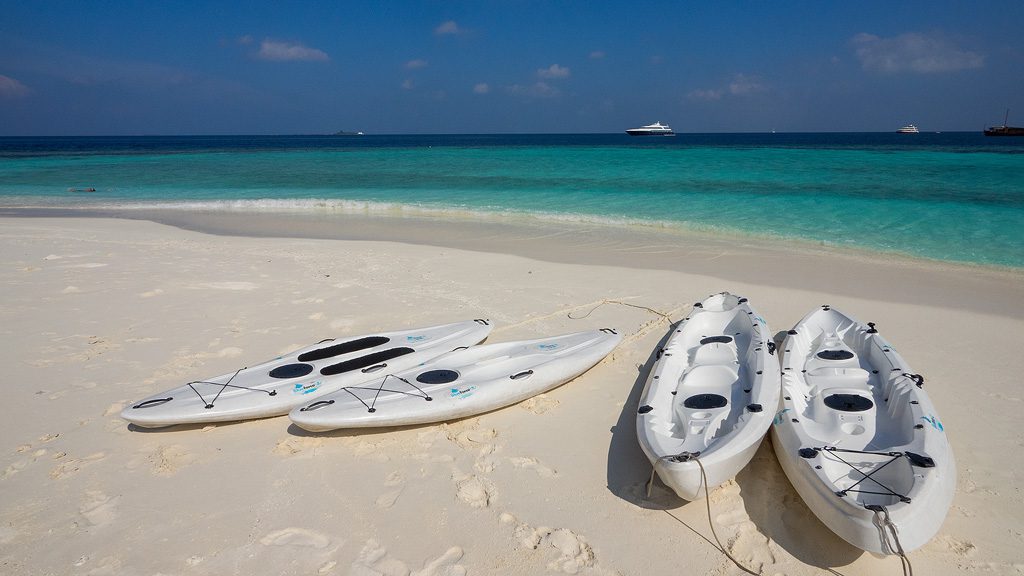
(377, 390)
(225, 385)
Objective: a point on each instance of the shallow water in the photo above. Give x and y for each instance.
(956, 196)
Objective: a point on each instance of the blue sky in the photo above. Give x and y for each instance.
(263, 67)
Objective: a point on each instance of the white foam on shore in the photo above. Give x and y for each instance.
(321, 206)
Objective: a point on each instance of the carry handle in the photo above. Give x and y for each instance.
(153, 402)
(316, 405)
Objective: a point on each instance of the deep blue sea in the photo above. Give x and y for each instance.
(948, 196)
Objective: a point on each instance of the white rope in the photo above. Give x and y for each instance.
(888, 530)
(683, 457)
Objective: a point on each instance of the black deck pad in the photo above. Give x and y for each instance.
(438, 377)
(291, 371)
(343, 348)
(835, 354)
(718, 339)
(848, 402)
(705, 401)
(364, 361)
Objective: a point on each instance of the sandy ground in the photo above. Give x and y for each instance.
(99, 312)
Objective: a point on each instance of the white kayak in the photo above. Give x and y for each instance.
(858, 437)
(711, 396)
(275, 387)
(460, 383)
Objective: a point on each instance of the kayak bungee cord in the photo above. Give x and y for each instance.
(889, 491)
(370, 407)
(224, 386)
(693, 456)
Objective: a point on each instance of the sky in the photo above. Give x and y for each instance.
(90, 67)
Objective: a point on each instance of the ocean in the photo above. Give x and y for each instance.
(955, 197)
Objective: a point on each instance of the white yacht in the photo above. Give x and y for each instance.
(656, 129)
(908, 129)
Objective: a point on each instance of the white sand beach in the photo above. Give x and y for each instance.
(99, 312)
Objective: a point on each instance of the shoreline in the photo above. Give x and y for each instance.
(735, 257)
(101, 312)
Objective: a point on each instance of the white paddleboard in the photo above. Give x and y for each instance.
(273, 388)
(460, 383)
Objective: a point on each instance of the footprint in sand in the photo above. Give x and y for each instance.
(396, 481)
(305, 447)
(374, 560)
(961, 548)
(535, 465)
(469, 436)
(473, 490)
(167, 460)
(115, 408)
(98, 508)
(569, 552)
(71, 466)
(296, 537)
(486, 461)
(539, 404)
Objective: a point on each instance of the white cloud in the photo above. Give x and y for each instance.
(408, 84)
(481, 88)
(289, 51)
(913, 52)
(743, 84)
(245, 40)
(738, 85)
(553, 71)
(536, 90)
(447, 27)
(705, 94)
(416, 63)
(11, 88)
(597, 54)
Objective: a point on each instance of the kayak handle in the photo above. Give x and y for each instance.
(317, 404)
(374, 368)
(154, 402)
(524, 374)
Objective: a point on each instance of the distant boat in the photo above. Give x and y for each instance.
(344, 133)
(908, 129)
(1004, 130)
(656, 129)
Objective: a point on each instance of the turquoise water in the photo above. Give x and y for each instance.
(956, 197)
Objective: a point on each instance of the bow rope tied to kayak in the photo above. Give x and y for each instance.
(688, 457)
(886, 528)
(889, 535)
(620, 303)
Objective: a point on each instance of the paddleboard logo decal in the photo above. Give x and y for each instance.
(463, 393)
(547, 346)
(933, 421)
(306, 388)
(778, 417)
(415, 338)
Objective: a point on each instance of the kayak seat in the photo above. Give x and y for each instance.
(714, 353)
(844, 413)
(702, 404)
(820, 379)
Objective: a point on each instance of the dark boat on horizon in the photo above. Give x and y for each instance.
(1004, 130)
